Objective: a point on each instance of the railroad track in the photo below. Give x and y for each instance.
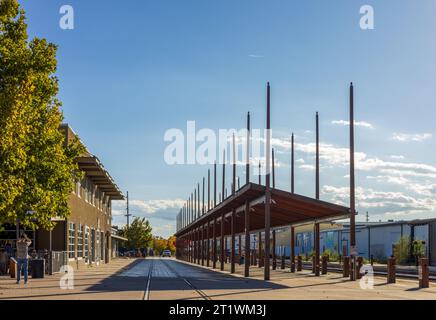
(148, 284)
(199, 291)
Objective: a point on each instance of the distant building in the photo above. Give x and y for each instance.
(372, 238)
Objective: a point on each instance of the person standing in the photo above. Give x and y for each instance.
(22, 256)
(4, 260)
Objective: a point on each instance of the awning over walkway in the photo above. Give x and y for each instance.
(99, 176)
(286, 209)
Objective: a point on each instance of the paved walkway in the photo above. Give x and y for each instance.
(158, 278)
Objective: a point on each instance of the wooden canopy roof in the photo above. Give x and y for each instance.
(286, 209)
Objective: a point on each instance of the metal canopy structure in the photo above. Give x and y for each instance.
(95, 170)
(286, 209)
(258, 208)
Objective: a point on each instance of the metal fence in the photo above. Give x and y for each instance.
(58, 259)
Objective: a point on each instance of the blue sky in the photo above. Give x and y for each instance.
(131, 70)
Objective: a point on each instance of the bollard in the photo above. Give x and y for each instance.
(346, 267)
(13, 267)
(299, 263)
(283, 262)
(292, 265)
(423, 273)
(359, 265)
(391, 270)
(352, 269)
(324, 265)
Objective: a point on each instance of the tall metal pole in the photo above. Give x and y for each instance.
(260, 173)
(317, 158)
(203, 208)
(232, 227)
(247, 205)
(195, 204)
(198, 201)
(292, 164)
(128, 215)
(224, 175)
(267, 186)
(214, 244)
(214, 184)
(247, 165)
(273, 170)
(208, 189)
(234, 167)
(352, 185)
(316, 228)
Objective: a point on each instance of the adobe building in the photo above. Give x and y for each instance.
(86, 237)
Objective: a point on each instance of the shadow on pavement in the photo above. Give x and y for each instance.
(177, 276)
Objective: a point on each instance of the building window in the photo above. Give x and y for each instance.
(86, 253)
(71, 240)
(80, 241)
(78, 188)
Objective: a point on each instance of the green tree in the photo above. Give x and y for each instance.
(36, 165)
(402, 250)
(138, 234)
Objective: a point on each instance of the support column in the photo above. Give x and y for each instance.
(222, 243)
(202, 245)
(208, 244)
(240, 249)
(197, 260)
(317, 253)
(214, 244)
(247, 240)
(274, 258)
(260, 251)
(232, 257)
(292, 249)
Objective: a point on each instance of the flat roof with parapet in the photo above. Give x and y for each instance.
(286, 209)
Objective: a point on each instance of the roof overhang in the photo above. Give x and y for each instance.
(286, 209)
(95, 170)
(118, 237)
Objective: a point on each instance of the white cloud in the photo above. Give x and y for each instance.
(386, 202)
(148, 208)
(397, 157)
(307, 167)
(356, 123)
(406, 137)
(255, 56)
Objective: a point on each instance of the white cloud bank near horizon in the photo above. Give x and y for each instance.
(388, 189)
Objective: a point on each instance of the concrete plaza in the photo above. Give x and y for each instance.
(162, 279)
